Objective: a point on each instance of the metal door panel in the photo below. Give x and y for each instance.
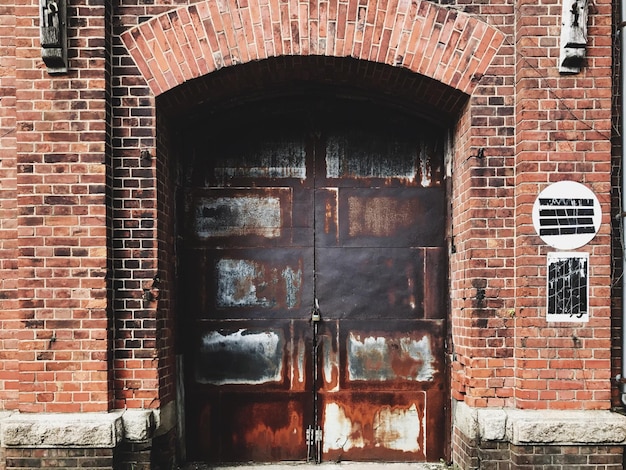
(247, 217)
(360, 217)
(250, 355)
(248, 283)
(370, 283)
(387, 426)
(391, 217)
(382, 389)
(391, 355)
(383, 157)
(382, 355)
(354, 220)
(236, 160)
(251, 395)
(243, 427)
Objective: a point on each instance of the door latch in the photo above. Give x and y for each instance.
(316, 315)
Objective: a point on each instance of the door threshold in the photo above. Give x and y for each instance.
(321, 466)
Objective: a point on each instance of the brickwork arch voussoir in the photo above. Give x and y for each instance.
(191, 41)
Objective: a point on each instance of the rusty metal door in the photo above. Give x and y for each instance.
(314, 275)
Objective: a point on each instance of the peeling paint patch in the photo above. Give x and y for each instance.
(390, 427)
(361, 156)
(341, 433)
(237, 216)
(425, 167)
(330, 367)
(237, 284)
(397, 428)
(293, 283)
(248, 283)
(279, 159)
(382, 359)
(241, 357)
(379, 216)
(300, 370)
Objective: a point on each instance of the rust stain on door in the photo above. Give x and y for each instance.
(389, 358)
(241, 357)
(383, 426)
(222, 217)
(248, 283)
(379, 216)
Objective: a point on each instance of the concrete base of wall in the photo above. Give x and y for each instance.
(507, 439)
(120, 440)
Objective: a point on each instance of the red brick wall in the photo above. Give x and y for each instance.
(63, 335)
(563, 132)
(482, 230)
(10, 319)
(87, 189)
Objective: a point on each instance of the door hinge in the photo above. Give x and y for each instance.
(313, 436)
(314, 444)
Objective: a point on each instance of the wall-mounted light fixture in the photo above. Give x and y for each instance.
(573, 35)
(53, 34)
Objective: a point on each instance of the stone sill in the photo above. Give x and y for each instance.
(541, 427)
(89, 430)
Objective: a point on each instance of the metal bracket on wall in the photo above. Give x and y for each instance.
(53, 35)
(573, 35)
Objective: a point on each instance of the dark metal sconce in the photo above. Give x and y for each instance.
(53, 34)
(573, 35)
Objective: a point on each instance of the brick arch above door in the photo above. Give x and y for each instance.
(194, 40)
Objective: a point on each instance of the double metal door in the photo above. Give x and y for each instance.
(313, 295)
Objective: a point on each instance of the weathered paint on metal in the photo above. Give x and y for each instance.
(400, 217)
(329, 340)
(363, 228)
(331, 216)
(240, 357)
(379, 216)
(298, 360)
(361, 156)
(271, 159)
(248, 283)
(390, 357)
(230, 427)
(293, 284)
(380, 426)
(237, 216)
(237, 283)
(270, 430)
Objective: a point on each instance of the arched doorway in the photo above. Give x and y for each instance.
(313, 282)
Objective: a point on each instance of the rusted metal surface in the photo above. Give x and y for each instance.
(253, 357)
(363, 426)
(382, 358)
(281, 158)
(362, 155)
(227, 161)
(253, 212)
(387, 402)
(247, 283)
(351, 219)
(371, 283)
(240, 427)
(251, 395)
